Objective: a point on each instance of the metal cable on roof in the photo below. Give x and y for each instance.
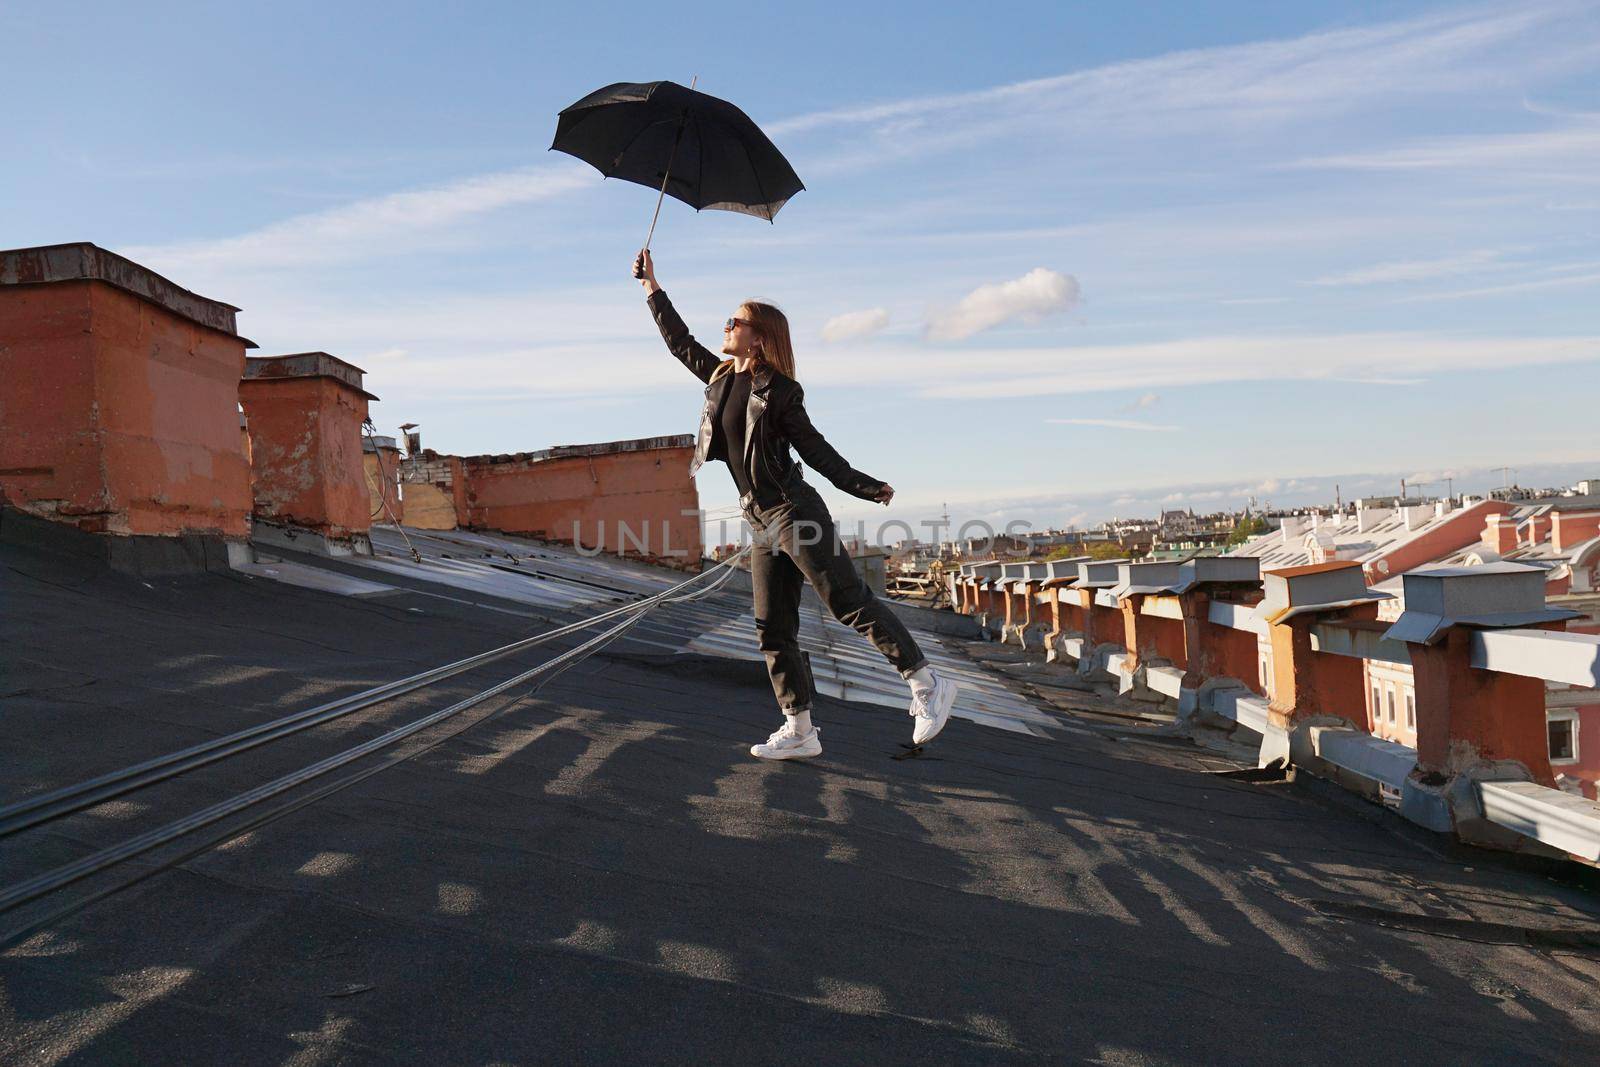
(57, 803)
(34, 888)
(370, 430)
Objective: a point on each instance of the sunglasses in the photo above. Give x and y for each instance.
(734, 323)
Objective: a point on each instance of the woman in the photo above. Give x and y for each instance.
(754, 411)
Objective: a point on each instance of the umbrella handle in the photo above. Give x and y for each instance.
(667, 174)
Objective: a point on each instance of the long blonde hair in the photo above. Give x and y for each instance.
(772, 336)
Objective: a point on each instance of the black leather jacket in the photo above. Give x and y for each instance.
(774, 419)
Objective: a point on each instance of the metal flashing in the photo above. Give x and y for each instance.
(1099, 574)
(1491, 596)
(86, 262)
(1136, 578)
(1320, 587)
(306, 365)
(1061, 572)
(600, 448)
(1208, 569)
(1420, 628)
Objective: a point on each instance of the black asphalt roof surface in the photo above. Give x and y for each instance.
(599, 872)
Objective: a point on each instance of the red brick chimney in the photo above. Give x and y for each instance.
(1538, 529)
(305, 413)
(120, 407)
(1500, 534)
(1571, 528)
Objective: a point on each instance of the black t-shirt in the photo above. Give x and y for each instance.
(729, 426)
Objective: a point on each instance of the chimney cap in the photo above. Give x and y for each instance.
(1319, 587)
(82, 261)
(1204, 569)
(306, 365)
(1099, 574)
(1491, 595)
(1135, 578)
(1060, 572)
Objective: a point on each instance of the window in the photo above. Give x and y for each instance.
(1563, 726)
(1391, 705)
(1411, 710)
(1377, 706)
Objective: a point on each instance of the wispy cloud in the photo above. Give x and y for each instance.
(1038, 293)
(437, 367)
(1214, 360)
(1414, 270)
(1574, 146)
(1568, 282)
(1147, 400)
(1382, 381)
(366, 228)
(853, 325)
(1247, 84)
(1116, 424)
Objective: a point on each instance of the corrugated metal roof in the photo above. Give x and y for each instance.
(557, 578)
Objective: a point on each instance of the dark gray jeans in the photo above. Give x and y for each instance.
(796, 542)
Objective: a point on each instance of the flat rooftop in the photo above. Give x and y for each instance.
(597, 870)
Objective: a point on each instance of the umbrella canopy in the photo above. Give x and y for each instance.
(705, 151)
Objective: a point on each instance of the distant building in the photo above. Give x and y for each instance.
(1558, 531)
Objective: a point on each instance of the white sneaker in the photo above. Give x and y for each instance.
(931, 708)
(786, 744)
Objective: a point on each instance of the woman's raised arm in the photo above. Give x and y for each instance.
(823, 458)
(674, 332)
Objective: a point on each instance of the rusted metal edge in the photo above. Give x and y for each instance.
(604, 448)
(306, 365)
(84, 261)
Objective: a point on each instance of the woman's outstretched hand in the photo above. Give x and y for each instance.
(644, 268)
(885, 494)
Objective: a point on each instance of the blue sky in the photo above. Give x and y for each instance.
(1054, 262)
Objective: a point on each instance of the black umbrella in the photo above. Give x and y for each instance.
(702, 150)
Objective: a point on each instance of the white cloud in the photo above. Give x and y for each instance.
(439, 368)
(1148, 400)
(1236, 85)
(1379, 380)
(1116, 424)
(365, 228)
(1575, 146)
(1414, 270)
(1039, 292)
(1501, 290)
(1208, 360)
(854, 325)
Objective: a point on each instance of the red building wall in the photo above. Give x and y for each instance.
(1457, 532)
(626, 502)
(305, 438)
(120, 416)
